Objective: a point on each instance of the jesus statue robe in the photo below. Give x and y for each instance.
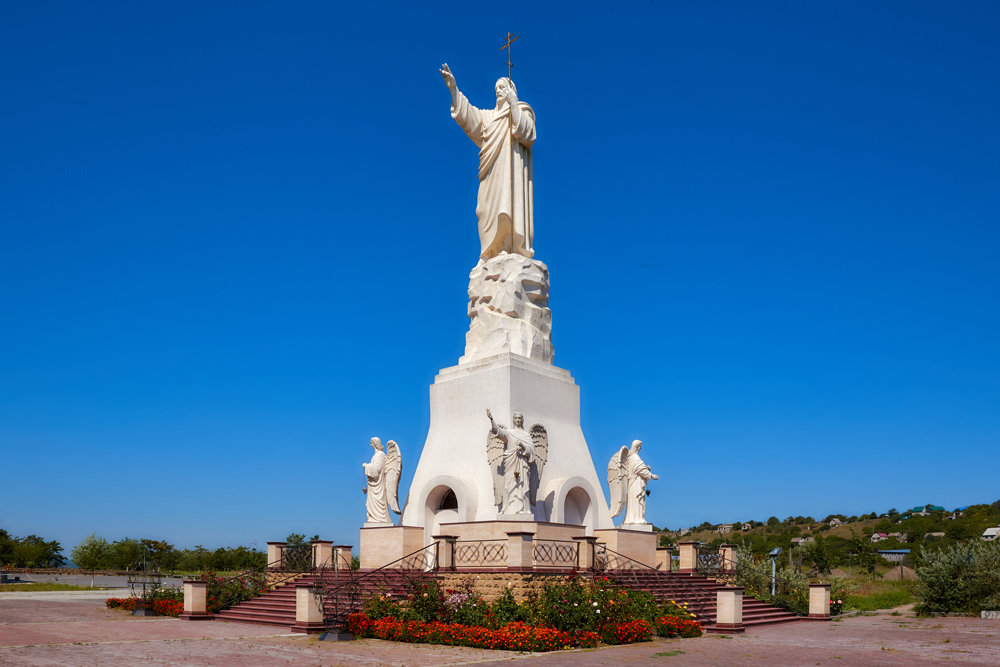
(505, 216)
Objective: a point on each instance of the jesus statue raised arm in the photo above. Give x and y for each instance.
(504, 136)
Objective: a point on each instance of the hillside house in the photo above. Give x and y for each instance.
(990, 534)
(747, 527)
(834, 522)
(724, 528)
(934, 534)
(894, 555)
(899, 536)
(803, 540)
(879, 537)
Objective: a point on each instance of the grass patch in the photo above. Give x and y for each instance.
(668, 654)
(42, 586)
(872, 595)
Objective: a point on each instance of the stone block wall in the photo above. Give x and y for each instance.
(492, 584)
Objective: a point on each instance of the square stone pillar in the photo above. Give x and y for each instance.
(342, 557)
(520, 550)
(585, 545)
(308, 609)
(322, 553)
(729, 610)
(445, 551)
(688, 553)
(196, 601)
(276, 555)
(663, 555)
(728, 554)
(819, 601)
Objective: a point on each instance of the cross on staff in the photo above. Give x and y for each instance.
(510, 40)
(510, 116)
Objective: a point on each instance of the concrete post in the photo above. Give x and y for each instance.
(445, 551)
(308, 609)
(663, 555)
(688, 553)
(729, 609)
(276, 555)
(322, 553)
(196, 601)
(342, 557)
(585, 546)
(728, 553)
(819, 601)
(520, 550)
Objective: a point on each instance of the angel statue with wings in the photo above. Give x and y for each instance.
(627, 478)
(517, 459)
(382, 482)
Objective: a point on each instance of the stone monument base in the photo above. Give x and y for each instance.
(639, 545)
(381, 545)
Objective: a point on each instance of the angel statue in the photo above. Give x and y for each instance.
(517, 459)
(627, 477)
(382, 479)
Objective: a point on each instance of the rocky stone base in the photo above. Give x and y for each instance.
(491, 585)
(509, 309)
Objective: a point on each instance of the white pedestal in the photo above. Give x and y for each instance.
(454, 454)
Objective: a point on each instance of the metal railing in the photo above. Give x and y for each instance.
(343, 592)
(556, 553)
(630, 572)
(480, 553)
(709, 561)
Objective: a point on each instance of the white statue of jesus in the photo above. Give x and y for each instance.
(504, 136)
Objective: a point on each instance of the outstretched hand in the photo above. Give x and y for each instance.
(654, 477)
(448, 77)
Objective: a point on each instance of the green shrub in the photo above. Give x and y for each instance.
(964, 577)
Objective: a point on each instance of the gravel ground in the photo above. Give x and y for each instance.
(66, 631)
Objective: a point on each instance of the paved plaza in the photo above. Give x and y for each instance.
(68, 629)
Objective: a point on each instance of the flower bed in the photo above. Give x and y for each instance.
(516, 636)
(162, 607)
(578, 613)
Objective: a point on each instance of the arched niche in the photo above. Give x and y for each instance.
(574, 501)
(446, 499)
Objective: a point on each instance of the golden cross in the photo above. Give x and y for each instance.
(510, 40)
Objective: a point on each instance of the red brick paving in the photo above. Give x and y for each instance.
(44, 632)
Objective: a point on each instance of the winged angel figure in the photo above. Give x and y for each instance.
(517, 459)
(627, 478)
(382, 479)
(618, 481)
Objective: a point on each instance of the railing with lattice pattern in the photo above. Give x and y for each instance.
(480, 553)
(556, 553)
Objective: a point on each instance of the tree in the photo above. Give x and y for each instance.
(817, 552)
(91, 554)
(893, 512)
(865, 553)
(773, 521)
(125, 554)
(33, 551)
(6, 548)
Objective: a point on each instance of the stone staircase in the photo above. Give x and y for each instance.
(699, 593)
(277, 606)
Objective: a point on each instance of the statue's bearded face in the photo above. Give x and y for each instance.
(518, 420)
(501, 88)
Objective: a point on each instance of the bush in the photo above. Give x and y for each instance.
(630, 632)
(673, 626)
(224, 593)
(513, 637)
(964, 577)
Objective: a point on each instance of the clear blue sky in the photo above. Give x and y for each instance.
(235, 241)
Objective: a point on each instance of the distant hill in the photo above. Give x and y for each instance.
(926, 525)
